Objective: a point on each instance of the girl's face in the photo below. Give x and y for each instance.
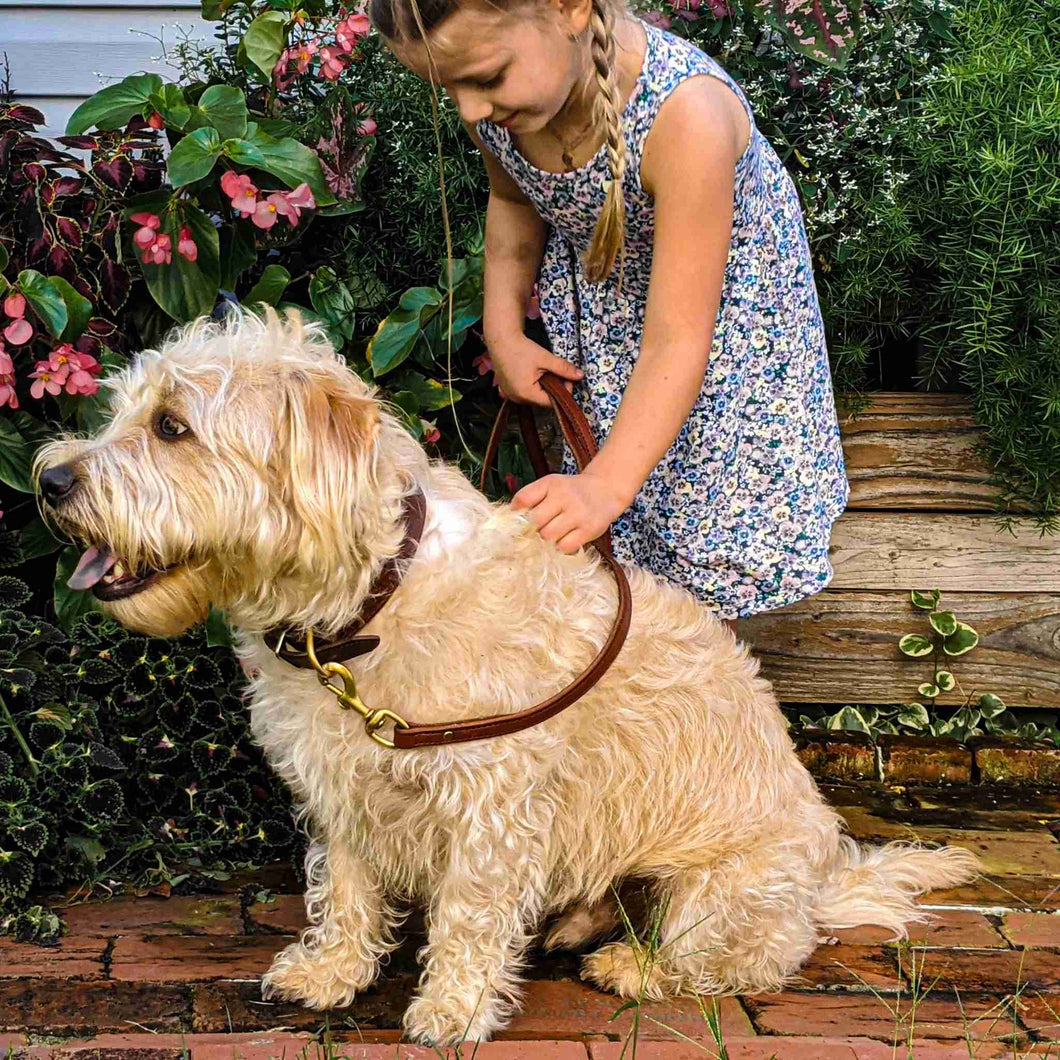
(516, 69)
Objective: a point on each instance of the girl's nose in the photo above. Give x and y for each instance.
(473, 106)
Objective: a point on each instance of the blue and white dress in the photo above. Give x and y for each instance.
(739, 510)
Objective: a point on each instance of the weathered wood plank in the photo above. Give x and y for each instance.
(916, 451)
(922, 550)
(842, 647)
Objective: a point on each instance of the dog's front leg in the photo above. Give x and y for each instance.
(349, 931)
(482, 916)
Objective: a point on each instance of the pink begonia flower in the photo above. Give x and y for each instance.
(290, 204)
(484, 363)
(332, 66)
(367, 127)
(533, 306)
(148, 220)
(45, 379)
(243, 193)
(350, 30)
(19, 331)
(511, 482)
(7, 380)
(81, 382)
(186, 247)
(60, 358)
(303, 54)
(155, 121)
(15, 305)
(430, 432)
(160, 252)
(265, 213)
(144, 237)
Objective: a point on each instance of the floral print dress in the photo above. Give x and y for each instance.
(739, 510)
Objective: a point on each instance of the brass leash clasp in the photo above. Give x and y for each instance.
(348, 697)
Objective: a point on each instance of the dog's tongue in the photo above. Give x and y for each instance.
(91, 567)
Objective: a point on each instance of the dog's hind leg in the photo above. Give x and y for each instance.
(350, 925)
(582, 923)
(743, 926)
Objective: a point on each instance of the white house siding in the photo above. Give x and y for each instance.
(61, 51)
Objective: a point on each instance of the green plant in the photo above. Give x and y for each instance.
(123, 757)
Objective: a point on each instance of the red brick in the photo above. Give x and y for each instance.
(1000, 892)
(1041, 1014)
(888, 1019)
(919, 1049)
(567, 1009)
(222, 1005)
(155, 916)
(736, 1049)
(837, 756)
(72, 958)
(924, 760)
(1033, 930)
(990, 971)
(72, 1007)
(857, 966)
(283, 914)
(192, 958)
(1015, 763)
(951, 927)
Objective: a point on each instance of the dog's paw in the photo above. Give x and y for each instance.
(448, 1021)
(621, 969)
(319, 980)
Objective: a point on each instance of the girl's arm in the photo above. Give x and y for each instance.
(515, 241)
(688, 166)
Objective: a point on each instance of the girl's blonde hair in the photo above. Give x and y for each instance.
(414, 19)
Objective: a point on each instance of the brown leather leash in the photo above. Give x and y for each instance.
(407, 735)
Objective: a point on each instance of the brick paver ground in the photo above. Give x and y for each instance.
(151, 978)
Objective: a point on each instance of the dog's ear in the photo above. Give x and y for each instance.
(329, 427)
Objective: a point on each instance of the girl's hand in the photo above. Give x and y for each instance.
(571, 510)
(519, 362)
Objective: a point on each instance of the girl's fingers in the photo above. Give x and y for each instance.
(531, 494)
(564, 369)
(571, 541)
(556, 527)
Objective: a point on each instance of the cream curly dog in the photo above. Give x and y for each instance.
(247, 467)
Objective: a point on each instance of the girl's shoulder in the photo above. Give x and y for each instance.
(670, 60)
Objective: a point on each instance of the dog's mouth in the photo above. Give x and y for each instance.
(102, 572)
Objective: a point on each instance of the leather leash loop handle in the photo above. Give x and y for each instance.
(571, 422)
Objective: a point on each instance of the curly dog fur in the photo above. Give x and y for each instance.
(279, 503)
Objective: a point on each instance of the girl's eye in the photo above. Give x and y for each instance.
(169, 426)
(493, 82)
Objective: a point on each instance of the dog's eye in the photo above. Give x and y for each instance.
(169, 426)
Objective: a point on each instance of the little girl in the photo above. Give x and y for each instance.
(628, 179)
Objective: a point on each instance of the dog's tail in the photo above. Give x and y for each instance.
(876, 885)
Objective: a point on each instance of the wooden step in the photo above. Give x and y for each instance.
(954, 551)
(841, 646)
(916, 451)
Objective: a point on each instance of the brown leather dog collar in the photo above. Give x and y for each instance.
(346, 644)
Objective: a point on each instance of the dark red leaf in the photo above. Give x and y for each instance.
(147, 175)
(115, 173)
(47, 192)
(108, 235)
(83, 285)
(98, 325)
(82, 143)
(20, 112)
(61, 263)
(114, 285)
(88, 344)
(33, 172)
(7, 142)
(68, 185)
(68, 231)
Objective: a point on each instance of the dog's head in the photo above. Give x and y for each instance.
(241, 468)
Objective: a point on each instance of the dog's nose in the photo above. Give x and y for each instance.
(57, 483)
